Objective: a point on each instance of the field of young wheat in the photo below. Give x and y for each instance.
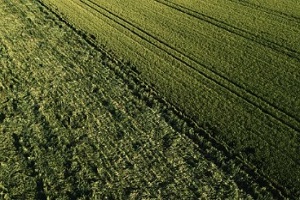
(164, 99)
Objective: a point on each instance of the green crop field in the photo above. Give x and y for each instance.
(149, 99)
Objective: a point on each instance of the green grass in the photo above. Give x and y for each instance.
(263, 20)
(76, 123)
(231, 66)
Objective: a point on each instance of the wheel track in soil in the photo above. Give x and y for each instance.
(273, 146)
(191, 66)
(233, 87)
(276, 189)
(283, 15)
(40, 115)
(292, 53)
(43, 119)
(213, 38)
(244, 34)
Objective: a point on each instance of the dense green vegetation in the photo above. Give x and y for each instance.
(77, 123)
(233, 66)
(207, 107)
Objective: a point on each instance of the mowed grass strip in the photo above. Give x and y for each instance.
(274, 144)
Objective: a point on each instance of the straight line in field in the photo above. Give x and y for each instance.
(174, 56)
(268, 11)
(219, 79)
(235, 30)
(177, 58)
